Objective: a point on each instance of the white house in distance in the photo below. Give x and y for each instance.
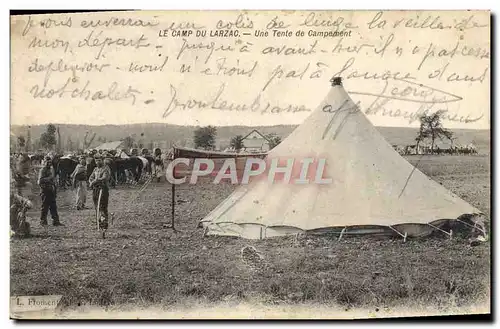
(255, 142)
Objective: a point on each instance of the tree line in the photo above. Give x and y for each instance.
(52, 140)
(431, 128)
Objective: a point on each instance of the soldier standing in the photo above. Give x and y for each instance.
(79, 177)
(108, 162)
(99, 183)
(46, 181)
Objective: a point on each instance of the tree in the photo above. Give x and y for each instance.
(87, 142)
(431, 126)
(274, 140)
(421, 136)
(48, 138)
(51, 129)
(237, 143)
(59, 142)
(69, 144)
(128, 142)
(28, 139)
(140, 142)
(452, 141)
(21, 142)
(204, 137)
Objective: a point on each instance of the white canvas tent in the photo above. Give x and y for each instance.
(374, 189)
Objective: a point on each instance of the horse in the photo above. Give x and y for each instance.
(63, 168)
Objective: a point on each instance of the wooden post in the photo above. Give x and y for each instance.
(98, 211)
(174, 156)
(173, 206)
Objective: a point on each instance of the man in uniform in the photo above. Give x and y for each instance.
(99, 183)
(158, 163)
(46, 181)
(108, 162)
(79, 177)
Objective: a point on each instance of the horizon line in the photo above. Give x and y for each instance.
(173, 124)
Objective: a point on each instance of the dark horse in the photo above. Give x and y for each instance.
(63, 168)
(133, 164)
(149, 165)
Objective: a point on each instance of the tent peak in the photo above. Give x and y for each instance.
(336, 81)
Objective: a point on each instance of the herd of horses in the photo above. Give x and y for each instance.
(126, 167)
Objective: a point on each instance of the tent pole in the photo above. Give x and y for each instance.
(173, 206)
(173, 193)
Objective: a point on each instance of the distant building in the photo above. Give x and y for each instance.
(255, 142)
(118, 145)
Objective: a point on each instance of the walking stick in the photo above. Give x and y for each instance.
(98, 215)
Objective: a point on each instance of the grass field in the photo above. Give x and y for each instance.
(143, 263)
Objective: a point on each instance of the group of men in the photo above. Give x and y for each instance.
(98, 182)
